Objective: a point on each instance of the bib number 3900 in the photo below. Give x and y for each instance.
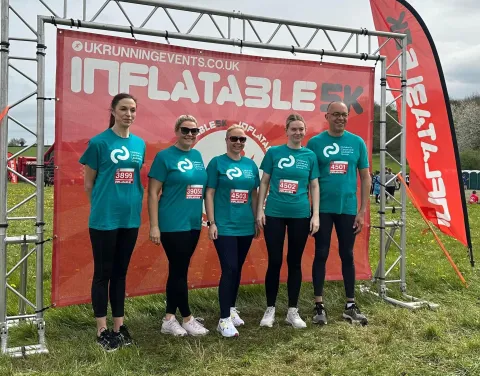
(288, 186)
(124, 176)
(194, 192)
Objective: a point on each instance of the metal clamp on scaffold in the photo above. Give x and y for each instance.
(4, 46)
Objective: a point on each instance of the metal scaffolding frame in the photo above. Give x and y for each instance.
(172, 31)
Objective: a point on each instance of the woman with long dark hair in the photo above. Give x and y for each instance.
(113, 160)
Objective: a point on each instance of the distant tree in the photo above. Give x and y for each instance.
(14, 142)
(466, 118)
(22, 142)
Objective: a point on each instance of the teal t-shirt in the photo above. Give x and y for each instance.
(184, 178)
(233, 182)
(117, 193)
(291, 171)
(339, 158)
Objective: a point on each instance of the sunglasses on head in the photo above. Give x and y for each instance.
(186, 130)
(242, 140)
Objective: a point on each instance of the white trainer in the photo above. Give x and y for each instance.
(194, 327)
(172, 327)
(226, 328)
(294, 319)
(268, 317)
(237, 321)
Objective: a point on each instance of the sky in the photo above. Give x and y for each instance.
(452, 24)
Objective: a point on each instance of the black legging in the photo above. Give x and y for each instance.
(274, 231)
(232, 252)
(112, 250)
(179, 247)
(346, 240)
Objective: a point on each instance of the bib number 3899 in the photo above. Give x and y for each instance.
(124, 176)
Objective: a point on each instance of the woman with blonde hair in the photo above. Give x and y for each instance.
(179, 175)
(230, 202)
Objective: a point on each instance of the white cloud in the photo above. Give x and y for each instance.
(452, 24)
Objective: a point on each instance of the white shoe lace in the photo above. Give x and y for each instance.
(269, 312)
(234, 311)
(196, 324)
(294, 314)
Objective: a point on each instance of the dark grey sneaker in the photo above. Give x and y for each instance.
(320, 315)
(354, 315)
(123, 336)
(108, 341)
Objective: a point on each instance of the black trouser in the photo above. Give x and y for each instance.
(274, 231)
(390, 190)
(232, 252)
(179, 247)
(346, 239)
(112, 250)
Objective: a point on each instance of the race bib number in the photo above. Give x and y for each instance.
(124, 175)
(238, 196)
(338, 167)
(194, 192)
(288, 186)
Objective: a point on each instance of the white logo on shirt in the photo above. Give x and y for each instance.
(331, 150)
(185, 165)
(124, 157)
(286, 162)
(234, 173)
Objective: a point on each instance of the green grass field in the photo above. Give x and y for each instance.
(396, 342)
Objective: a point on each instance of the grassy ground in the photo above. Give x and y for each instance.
(32, 152)
(396, 342)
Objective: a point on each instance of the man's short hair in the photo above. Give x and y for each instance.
(328, 107)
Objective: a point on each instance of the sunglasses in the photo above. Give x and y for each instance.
(237, 139)
(186, 130)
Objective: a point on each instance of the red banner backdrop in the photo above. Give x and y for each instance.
(432, 151)
(219, 89)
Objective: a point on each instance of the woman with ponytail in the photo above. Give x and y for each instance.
(112, 161)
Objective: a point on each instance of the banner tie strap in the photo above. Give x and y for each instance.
(44, 309)
(166, 36)
(293, 51)
(43, 242)
(72, 22)
(131, 31)
(54, 22)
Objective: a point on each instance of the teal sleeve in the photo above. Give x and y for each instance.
(90, 156)
(212, 174)
(159, 170)
(314, 171)
(363, 160)
(267, 163)
(257, 176)
(310, 144)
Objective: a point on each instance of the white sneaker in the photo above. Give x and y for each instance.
(226, 328)
(173, 327)
(194, 327)
(268, 317)
(294, 319)
(237, 321)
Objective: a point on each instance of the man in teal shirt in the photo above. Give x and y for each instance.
(340, 154)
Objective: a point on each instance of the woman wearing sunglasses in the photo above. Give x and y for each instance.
(230, 202)
(179, 175)
(291, 172)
